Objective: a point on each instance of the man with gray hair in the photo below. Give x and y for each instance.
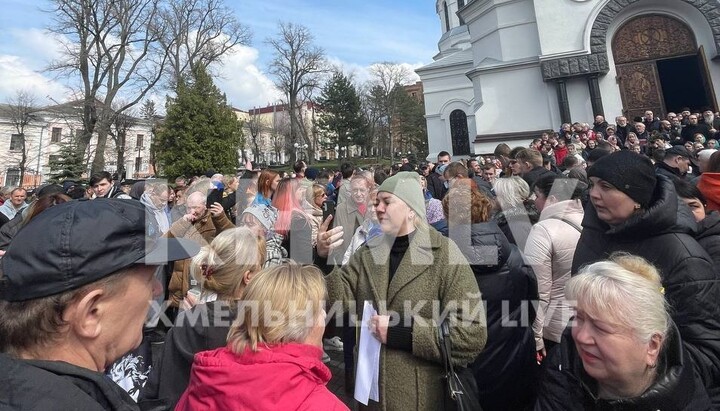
(74, 292)
(201, 225)
(15, 204)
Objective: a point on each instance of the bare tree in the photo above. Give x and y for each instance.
(199, 32)
(149, 114)
(255, 126)
(386, 76)
(114, 47)
(120, 126)
(20, 111)
(297, 66)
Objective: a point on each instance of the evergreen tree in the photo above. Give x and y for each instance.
(200, 131)
(409, 127)
(69, 163)
(341, 121)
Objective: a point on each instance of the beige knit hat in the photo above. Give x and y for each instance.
(406, 186)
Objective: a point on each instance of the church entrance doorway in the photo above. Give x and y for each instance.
(660, 68)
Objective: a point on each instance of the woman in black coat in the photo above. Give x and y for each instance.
(627, 358)
(633, 210)
(506, 369)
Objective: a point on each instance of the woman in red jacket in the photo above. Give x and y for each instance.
(273, 357)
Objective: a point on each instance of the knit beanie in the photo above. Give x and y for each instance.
(629, 172)
(406, 186)
(266, 215)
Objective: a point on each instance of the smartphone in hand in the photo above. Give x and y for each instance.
(328, 208)
(214, 196)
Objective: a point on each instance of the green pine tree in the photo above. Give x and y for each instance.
(200, 131)
(67, 164)
(409, 125)
(341, 121)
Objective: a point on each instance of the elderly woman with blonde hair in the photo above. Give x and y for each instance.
(622, 351)
(272, 359)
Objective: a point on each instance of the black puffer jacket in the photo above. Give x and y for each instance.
(564, 384)
(663, 234)
(506, 369)
(57, 385)
(708, 236)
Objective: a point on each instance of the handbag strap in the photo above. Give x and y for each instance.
(568, 222)
(445, 352)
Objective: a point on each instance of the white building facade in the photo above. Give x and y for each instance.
(50, 128)
(517, 68)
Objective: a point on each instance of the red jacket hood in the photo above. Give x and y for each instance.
(709, 186)
(280, 377)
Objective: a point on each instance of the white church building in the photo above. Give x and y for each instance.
(507, 70)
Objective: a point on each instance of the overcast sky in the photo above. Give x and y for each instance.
(353, 33)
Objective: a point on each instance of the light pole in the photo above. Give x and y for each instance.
(37, 170)
(299, 148)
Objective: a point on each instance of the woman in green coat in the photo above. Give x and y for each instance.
(414, 278)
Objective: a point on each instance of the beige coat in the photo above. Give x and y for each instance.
(432, 272)
(549, 250)
(202, 231)
(348, 216)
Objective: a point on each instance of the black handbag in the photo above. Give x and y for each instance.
(461, 392)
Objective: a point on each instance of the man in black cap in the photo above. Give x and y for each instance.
(675, 164)
(74, 294)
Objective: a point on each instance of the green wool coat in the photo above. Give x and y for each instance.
(432, 276)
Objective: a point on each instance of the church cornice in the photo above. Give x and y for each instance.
(573, 66)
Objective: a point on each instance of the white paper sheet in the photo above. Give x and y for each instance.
(368, 365)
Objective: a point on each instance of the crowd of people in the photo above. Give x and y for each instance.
(576, 273)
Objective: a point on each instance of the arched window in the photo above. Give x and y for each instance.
(447, 16)
(461, 4)
(459, 133)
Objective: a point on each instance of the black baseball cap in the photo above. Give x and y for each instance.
(79, 242)
(679, 150)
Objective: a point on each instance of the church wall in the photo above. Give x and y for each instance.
(513, 101)
(562, 24)
(443, 94)
(485, 39)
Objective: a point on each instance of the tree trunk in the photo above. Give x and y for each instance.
(121, 155)
(98, 163)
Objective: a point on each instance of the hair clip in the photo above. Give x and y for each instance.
(207, 272)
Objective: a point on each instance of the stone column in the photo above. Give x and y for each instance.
(563, 102)
(595, 97)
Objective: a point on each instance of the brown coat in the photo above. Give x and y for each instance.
(202, 231)
(433, 272)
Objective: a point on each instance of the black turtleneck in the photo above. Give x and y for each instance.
(397, 252)
(400, 335)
